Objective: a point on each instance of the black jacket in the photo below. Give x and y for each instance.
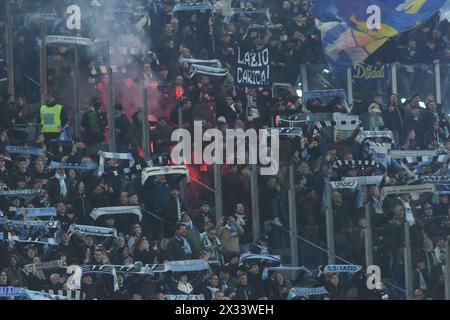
(200, 219)
(122, 127)
(54, 191)
(245, 293)
(175, 250)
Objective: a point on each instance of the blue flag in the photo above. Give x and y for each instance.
(353, 30)
(65, 136)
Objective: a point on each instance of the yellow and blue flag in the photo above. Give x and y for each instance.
(354, 29)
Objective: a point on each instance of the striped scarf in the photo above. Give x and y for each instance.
(62, 184)
(68, 294)
(340, 125)
(93, 231)
(113, 155)
(156, 161)
(363, 164)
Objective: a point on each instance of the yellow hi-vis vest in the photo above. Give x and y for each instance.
(51, 119)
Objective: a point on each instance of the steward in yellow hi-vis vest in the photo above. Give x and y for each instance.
(52, 118)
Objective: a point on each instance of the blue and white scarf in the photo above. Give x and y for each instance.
(24, 150)
(98, 212)
(36, 240)
(186, 246)
(249, 256)
(365, 180)
(62, 184)
(42, 296)
(102, 269)
(436, 179)
(36, 212)
(43, 226)
(296, 118)
(32, 295)
(339, 268)
(209, 245)
(306, 292)
(30, 268)
(366, 135)
(287, 132)
(12, 292)
(443, 188)
(155, 171)
(363, 164)
(211, 71)
(188, 265)
(184, 297)
(23, 193)
(68, 294)
(93, 231)
(75, 166)
(422, 188)
(156, 161)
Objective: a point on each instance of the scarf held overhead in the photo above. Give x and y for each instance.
(98, 212)
(113, 155)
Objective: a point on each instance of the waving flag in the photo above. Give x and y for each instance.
(65, 136)
(353, 30)
(445, 12)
